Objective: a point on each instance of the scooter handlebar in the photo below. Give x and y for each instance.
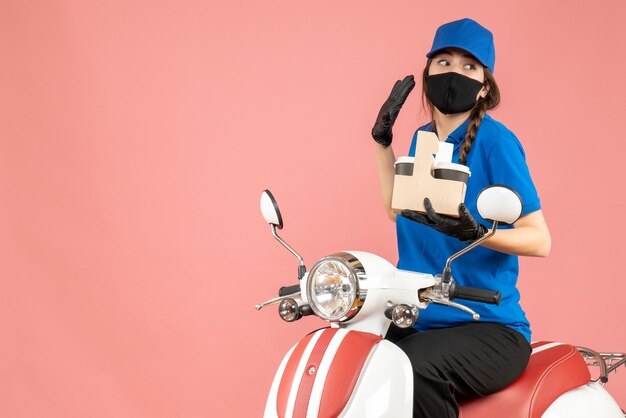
(288, 290)
(475, 294)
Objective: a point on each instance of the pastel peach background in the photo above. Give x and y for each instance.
(137, 136)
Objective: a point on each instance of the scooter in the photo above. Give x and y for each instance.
(349, 370)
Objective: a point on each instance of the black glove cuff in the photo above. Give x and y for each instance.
(480, 232)
(383, 140)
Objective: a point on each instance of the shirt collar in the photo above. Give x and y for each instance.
(457, 136)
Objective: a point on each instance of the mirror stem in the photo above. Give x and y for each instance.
(447, 271)
(301, 267)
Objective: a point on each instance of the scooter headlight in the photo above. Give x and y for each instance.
(333, 287)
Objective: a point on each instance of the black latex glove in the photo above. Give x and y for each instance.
(381, 132)
(465, 228)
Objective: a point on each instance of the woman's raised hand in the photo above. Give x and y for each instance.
(381, 132)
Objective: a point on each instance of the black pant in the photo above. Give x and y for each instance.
(458, 363)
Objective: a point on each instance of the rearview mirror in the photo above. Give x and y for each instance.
(499, 203)
(269, 209)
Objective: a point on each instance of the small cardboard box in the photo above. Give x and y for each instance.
(436, 178)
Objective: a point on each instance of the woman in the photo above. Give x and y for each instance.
(454, 359)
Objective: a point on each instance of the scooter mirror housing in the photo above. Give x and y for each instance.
(500, 204)
(269, 209)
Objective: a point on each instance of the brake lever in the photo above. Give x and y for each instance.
(275, 300)
(431, 295)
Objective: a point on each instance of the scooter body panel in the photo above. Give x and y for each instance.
(380, 393)
(271, 410)
(590, 400)
(342, 373)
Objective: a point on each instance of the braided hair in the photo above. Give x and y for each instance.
(478, 112)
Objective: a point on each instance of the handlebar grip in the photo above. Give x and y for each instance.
(476, 294)
(288, 290)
